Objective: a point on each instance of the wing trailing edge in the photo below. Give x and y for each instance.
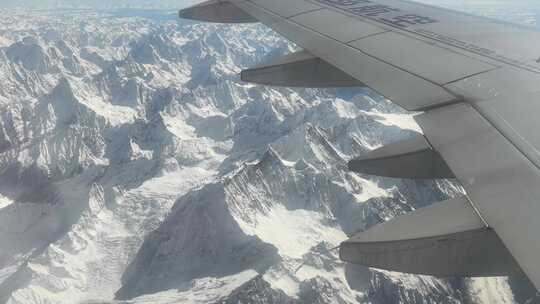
(446, 239)
(217, 11)
(300, 69)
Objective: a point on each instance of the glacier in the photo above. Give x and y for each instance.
(135, 167)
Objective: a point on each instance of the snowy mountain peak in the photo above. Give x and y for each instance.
(270, 159)
(135, 167)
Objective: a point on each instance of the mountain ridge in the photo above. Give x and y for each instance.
(164, 178)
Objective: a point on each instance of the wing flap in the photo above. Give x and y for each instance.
(507, 81)
(446, 239)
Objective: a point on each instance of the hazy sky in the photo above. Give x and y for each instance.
(181, 3)
(517, 11)
(95, 3)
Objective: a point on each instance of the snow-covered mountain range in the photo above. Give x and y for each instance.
(135, 167)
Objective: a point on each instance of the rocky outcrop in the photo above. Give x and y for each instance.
(136, 166)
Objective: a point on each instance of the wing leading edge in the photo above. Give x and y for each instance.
(475, 79)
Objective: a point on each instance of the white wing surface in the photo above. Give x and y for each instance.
(476, 82)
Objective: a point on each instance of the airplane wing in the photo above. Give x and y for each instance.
(475, 82)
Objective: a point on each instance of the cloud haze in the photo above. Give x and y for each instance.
(95, 3)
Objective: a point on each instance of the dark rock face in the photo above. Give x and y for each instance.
(199, 239)
(135, 165)
(524, 290)
(383, 290)
(318, 291)
(258, 291)
(31, 184)
(4, 145)
(30, 55)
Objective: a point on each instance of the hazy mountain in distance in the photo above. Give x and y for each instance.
(135, 165)
(97, 4)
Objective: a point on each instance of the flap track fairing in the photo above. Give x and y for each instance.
(413, 158)
(300, 69)
(217, 11)
(446, 239)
